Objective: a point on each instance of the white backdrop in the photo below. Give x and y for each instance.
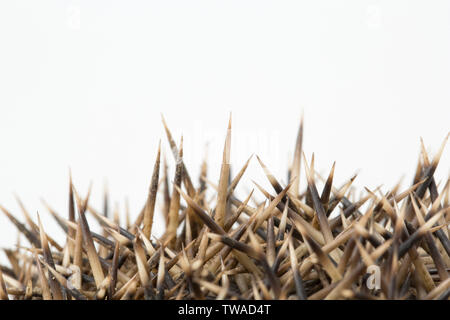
(83, 83)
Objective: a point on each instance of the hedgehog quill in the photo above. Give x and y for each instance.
(323, 242)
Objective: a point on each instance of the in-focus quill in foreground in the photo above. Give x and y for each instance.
(323, 242)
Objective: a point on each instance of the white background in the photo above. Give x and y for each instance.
(83, 83)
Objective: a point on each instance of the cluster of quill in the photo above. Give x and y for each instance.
(318, 243)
